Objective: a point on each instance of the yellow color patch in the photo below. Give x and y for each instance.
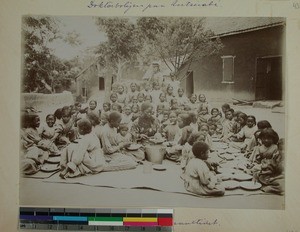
(139, 219)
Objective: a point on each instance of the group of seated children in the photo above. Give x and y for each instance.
(94, 140)
(81, 147)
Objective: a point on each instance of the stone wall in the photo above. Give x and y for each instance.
(46, 102)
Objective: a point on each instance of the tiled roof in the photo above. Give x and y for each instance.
(223, 26)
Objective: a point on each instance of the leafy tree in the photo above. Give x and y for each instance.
(41, 67)
(123, 44)
(73, 38)
(176, 41)
(37, 32)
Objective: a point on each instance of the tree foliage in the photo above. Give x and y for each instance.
(40, 64)
(176, 41)
(123, 44)
(73, 38)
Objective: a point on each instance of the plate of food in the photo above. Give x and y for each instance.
(55, 154)
(224, 176)
(159, 167)
(221, 151)
(226, 170)
(219, 145)
(241, 166)
(134, 147)
(229, 157)
(241, 176)
(231, 184)
(232, 150)
(214, 139)
(238, 155)
(53, 160)
(49, 168)
(157, 141)
(250, 185)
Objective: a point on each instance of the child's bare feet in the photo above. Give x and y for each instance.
(63, 173)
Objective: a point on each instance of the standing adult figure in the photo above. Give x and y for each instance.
(155, 74)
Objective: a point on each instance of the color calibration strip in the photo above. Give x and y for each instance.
(96, 219)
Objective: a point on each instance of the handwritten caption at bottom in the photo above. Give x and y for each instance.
(296, 5)
(201, 222)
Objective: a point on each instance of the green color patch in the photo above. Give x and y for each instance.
(106, 219)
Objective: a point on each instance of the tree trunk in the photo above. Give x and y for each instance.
(119, 72)
(120, 66)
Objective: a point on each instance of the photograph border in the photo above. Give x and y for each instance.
(230, 220)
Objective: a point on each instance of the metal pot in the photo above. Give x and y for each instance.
(155, 154)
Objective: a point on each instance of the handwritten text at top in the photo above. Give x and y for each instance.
(129, 5)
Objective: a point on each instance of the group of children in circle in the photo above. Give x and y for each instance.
(172, 99)
(184, 122)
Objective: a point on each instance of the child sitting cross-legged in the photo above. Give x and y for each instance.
(187, 153)
(203, 104)
(34, 150)
(196, 136)
(193, 103)
(112, 147)
(127, 115)
(122, 96)
(228, 125)
(96, 126)
(83, 157)
(212, 130)
(124, 136)
(216, 116)
(245, 134)
(171, 130)
(93, 107)
(268, 148)
(48, 131)
(160, 108)
(184, 120)
(133, 92)
(247, 131)
(203, 115)
(253, 142)
(66, 128)
(271, 175)
(182, 135)
(204, 129)
(197, 177)
(181, 98)
(240, 120)
(135, 109)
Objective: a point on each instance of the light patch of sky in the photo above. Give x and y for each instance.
(89, 36)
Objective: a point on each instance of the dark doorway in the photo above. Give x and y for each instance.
(84, 92)
(268, 78)
(113, 80)
(101, 83)
(189, 84)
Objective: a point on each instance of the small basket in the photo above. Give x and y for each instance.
(155, 154)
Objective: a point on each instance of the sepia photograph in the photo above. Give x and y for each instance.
(153, 112)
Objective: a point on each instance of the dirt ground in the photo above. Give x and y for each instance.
(36, 192)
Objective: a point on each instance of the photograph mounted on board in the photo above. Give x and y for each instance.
(153, 111)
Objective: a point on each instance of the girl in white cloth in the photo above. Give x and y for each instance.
(197, 177)
(85, 156)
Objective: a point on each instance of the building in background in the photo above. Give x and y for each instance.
(249, 67)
